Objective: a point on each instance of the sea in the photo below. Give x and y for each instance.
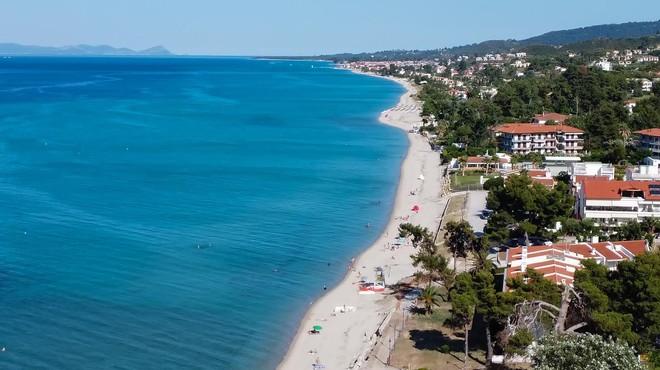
(181, 213)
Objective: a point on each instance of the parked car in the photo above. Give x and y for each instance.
(413, 295)
(539, 240)
(533, 240)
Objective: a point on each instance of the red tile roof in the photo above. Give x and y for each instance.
(537, 173)
(609, 254)
(649, 132)
(533, 128)
(635, 247)
(479, 159)
(555, 267)
(611, 189)
(545, 182)
(559, 118)
(578, 179)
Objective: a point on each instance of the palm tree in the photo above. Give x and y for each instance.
(463, 161)
(430, 297)
(650, 224)
(481, 262)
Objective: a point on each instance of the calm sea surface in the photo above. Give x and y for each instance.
(180, 213)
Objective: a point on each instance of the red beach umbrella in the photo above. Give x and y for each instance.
(416, 208)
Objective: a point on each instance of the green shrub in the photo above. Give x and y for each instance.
(493, 182)
(445, 348)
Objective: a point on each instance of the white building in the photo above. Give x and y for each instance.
(592, 169)
(559, 262)
(604, 65)
(649, 139)
(615, 202)
(525, 138)
(581, 171)
(649, 171)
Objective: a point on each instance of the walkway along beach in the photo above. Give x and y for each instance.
(347, 338)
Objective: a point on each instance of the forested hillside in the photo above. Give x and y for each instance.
(589, 38)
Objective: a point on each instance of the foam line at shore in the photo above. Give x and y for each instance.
(347, 339)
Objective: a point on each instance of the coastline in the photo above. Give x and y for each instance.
(350, 339)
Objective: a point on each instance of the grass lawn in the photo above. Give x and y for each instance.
(468, 179)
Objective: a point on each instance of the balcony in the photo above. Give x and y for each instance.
(522, 139)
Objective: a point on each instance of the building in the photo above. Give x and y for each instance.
(649, 139)
(559, 119)
(560, 261)
(615, 202)
(483, 163)
(558, 164)
(581, 171)
(525, 138)
(649, 171)
(604, 65)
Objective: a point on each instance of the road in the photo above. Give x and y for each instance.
(476, 203)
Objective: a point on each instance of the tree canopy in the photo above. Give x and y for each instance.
(583, 351)
(624, 303)
(522, 205)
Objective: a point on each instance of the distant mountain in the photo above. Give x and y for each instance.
(603, 31)
(89, 50)
(545, 41)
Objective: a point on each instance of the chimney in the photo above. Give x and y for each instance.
(594, 239)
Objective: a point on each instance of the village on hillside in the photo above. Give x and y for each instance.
(553, 169)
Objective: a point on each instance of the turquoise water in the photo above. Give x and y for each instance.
(179, 212)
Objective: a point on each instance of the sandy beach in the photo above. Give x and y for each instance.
(348, 339)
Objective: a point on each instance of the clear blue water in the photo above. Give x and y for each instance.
(114, 170)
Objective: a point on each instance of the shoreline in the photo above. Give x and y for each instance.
(349, 339)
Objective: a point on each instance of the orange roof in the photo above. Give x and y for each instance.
(537, 173)
(479, 159)
(579, 178)
(556, 269)
(609, 254)
(543, 181)
(635, 247)
(649, 132)
(611, 189)
(559, 118)
(533, 128)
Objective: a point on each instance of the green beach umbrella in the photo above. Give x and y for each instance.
(317, 327)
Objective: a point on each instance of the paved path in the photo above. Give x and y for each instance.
(476, 203)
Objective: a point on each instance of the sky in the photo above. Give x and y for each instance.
(297, 27)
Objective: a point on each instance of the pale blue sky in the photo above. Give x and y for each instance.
(297, 27)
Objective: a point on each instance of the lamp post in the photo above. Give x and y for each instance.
(389, 354)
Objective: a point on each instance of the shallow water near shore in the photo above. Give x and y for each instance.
(166, 213)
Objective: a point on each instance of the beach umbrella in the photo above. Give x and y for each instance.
(317, 327)
(416, 208)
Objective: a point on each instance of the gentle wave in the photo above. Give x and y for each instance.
(181, 213)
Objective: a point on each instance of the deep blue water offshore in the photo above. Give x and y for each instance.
(114, 170)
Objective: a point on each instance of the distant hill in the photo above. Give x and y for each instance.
(603, 31)
(17, 49)
(545, 41)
